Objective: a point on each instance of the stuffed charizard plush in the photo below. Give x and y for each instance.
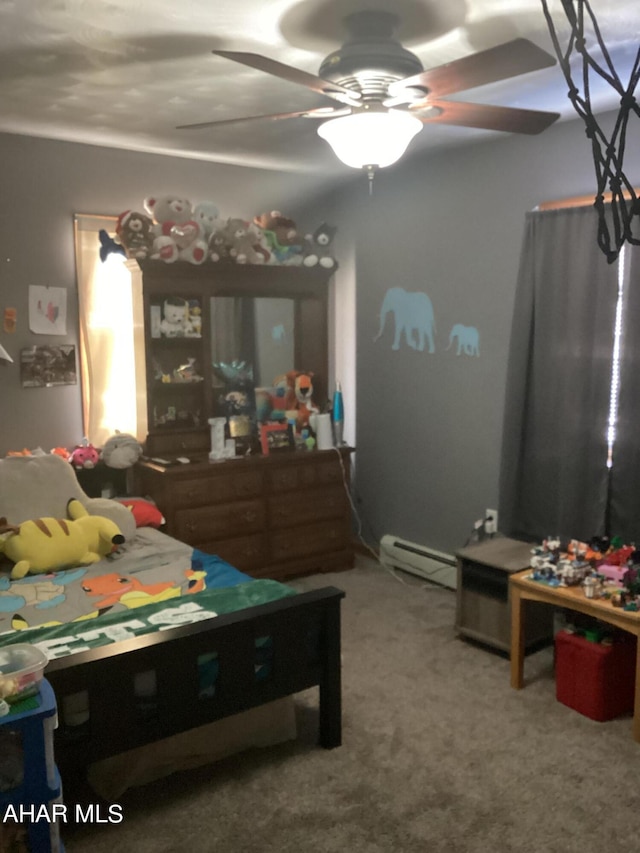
(50, 544)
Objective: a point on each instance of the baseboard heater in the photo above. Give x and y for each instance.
(434, 566)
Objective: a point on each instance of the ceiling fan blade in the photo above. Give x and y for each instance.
(487, 117)
(293, 75)
(321, 112)
(488, 66)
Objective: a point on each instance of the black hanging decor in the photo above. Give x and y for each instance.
(619, 217)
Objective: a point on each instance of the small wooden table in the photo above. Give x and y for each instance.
(522, 588)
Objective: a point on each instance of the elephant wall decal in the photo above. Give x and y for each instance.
(413, 312)
(468, 339)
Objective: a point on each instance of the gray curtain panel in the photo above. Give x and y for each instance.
(625, 474)
(554, 475)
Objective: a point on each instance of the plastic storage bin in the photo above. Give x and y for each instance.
(28, 774)
(594, 679)
(21, 669)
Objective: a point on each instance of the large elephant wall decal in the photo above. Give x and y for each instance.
(467, 337)
(413, 312)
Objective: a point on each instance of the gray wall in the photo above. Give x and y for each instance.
(429, 426)
(47, 182)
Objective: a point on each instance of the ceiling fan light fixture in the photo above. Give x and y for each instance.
(370, 139)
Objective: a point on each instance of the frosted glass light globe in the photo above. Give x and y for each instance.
(370, 138)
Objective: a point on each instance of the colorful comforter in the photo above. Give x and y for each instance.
(153, 583)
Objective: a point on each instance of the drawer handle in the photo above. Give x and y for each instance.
(191, 527)
(250, 515)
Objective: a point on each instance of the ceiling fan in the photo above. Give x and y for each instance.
(386, 95)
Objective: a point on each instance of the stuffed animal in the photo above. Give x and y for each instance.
(220, 247)
(121, 451)
(62, 452)
(298, 394)
(244, 244)
(281, 236)
(84, 455)
(176, 233)
(175, 322)
(135, 232)
(50, 544)
(207, 215)
(316, 249)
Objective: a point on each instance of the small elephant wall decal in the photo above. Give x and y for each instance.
(468, 339)
(413, 312)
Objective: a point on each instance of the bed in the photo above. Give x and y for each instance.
(160, 639)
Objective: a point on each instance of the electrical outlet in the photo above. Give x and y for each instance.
(491, 521)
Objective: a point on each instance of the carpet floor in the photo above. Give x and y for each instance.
(439, 755)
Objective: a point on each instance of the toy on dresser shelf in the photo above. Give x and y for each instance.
(135, 232)
(237, 241)
(50, 544)
(180, 318)
(316, 249)
(298, 396)
(207, 216)
(281, 237)
(176, 233)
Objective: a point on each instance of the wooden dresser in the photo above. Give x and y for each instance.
(278, 516)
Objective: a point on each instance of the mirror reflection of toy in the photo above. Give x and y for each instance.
(173, 417)
(183, 373)
(181, 318)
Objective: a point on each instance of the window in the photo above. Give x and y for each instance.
(111, 337)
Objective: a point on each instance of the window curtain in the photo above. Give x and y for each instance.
(554, 478)
(111, 336)
(625, 473)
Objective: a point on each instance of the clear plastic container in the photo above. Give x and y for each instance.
(21, 670)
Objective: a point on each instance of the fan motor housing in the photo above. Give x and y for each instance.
(371, 59)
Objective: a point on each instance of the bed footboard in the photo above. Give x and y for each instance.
(141, 690)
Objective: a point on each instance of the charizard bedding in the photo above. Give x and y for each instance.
(149, 584)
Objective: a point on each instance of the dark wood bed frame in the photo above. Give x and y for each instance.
(304, 632)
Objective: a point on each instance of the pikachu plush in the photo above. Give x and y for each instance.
(50, 544)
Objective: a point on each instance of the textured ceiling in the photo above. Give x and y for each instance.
(124, 74)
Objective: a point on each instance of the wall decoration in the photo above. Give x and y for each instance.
(47, 310)
(468, 339)
(10, 320)
(412, 312)
(44, 367)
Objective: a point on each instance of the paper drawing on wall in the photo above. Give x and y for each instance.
(47, 310)
(468, 339)
(413, 312)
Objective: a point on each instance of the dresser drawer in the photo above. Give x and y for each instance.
(310, 539)
(320, 472)
(218, 489)
(209, 523)
(305, 507)
(246, 553)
